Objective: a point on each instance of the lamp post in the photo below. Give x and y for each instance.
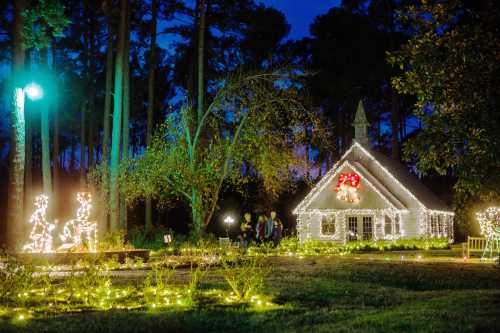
(33, 91)
(227, 222)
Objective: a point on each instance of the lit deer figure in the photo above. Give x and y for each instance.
(489, 223)
(40, 236)
(80, 227)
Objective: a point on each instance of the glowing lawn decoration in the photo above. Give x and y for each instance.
(489, 222)
(80, 227)
(347, 187)
(40, 235)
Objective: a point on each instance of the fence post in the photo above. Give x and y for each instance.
(468, 246)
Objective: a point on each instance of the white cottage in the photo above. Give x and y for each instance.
(369, 196)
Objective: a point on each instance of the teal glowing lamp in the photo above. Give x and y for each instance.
(33, 91)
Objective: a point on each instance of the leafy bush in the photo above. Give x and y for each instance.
(244, 277)
(152, 240)
(15, 280)
(399, 245)
(291, 245)
(113, 241)
(155, 286)
(91, 285)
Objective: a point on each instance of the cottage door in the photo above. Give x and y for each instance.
(359, 228)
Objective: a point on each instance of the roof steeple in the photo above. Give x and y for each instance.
(361, 125)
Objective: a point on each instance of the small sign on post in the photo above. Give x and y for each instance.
(167, 239)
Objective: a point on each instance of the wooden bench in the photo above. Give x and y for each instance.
(475, 244)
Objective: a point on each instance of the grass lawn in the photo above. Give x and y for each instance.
(323, 294)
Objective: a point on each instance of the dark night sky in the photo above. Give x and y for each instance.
(301, 13)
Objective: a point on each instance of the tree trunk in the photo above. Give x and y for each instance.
(28, 179)
(44, 132)
(126, 116)
(83, 120)
(28, 170)
(103, 218)
(394, 125)
(15, 203)
(117, 122)
(72, 159)
(196, 212)
(201, 60)
(55, 151)
(151, 101)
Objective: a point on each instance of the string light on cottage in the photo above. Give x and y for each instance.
(348, 186)
(41, 233)
(74, 230)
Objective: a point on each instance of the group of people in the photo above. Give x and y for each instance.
(266, 229)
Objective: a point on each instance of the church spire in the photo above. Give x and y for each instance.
(361, 125)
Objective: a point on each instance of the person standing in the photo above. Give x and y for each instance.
(277, 232)
(246, 230)
(270, 226)
(260, 229)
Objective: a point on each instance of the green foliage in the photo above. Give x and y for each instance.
(451, 66)
(152, 240)
(245, 277)
(290, 246)
(90, 285)
(157, 283)
(15, 280)
(43, 21)
(112, 241)
(251, 124)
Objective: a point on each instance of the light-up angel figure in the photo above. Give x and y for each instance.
(76, 229)
(489, 223)
(40, 236)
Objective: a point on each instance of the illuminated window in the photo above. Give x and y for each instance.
(328, 225)
(397, 225)
(388, 226)
(353, 228)
(367, 228)
(434, 225)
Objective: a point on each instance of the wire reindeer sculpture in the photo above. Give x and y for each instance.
(489, 223)
(77, 230)
(41, 233)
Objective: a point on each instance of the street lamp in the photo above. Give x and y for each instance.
(228, 221)
(33, 91)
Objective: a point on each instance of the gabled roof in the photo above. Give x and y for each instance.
(393, 169)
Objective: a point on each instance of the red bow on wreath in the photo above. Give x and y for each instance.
(347, 187)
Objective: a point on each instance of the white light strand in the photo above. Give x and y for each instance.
(80, 227)
(341, 232)
(41, 233)
(489, 223)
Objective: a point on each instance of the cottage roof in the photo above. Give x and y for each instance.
(425, 197)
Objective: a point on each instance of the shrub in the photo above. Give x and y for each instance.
(92, 285)
(152, 240)
(155, 286)
(245, 277)
(16, 280)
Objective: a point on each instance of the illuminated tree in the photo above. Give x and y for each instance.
(248, 131)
